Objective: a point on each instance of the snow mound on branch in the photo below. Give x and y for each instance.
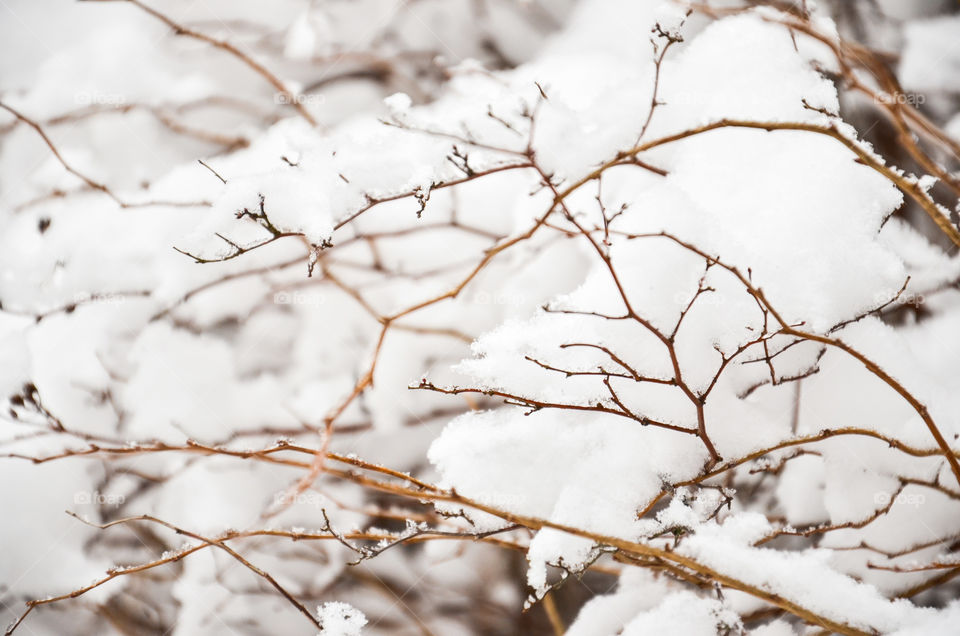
(721, 75)
(684, 613)
(597, 490)
(310, 183)
(805, 578)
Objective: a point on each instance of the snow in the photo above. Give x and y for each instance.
(398, 103)
(683, 613)
(340, 619)
(637, 591)
(622, 392)
(802, 577)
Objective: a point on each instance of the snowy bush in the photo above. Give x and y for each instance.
(480, 317)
